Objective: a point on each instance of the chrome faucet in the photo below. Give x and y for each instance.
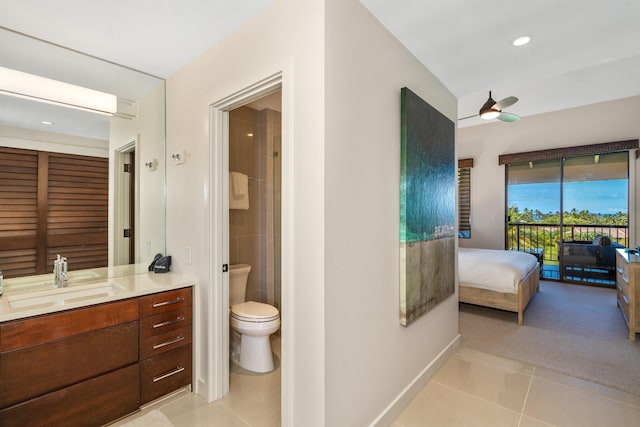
(60, 272)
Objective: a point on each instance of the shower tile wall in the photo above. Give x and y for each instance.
(251, 232)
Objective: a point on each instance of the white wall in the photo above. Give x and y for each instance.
(287, 37)
(350, 357)
(591, 124)
(149, 127)
(370, 357)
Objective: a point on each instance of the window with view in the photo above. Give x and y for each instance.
(571, 211)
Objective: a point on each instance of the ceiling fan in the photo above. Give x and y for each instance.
(493, 110)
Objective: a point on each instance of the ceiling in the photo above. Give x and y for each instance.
(582, 52)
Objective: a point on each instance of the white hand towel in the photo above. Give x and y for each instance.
(238, 191)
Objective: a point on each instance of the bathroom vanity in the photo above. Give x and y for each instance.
(90, 354)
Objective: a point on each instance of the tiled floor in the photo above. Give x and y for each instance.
(472, 389)
(477, 389)
(253, 401)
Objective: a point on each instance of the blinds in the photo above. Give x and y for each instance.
(464, 197)
(77, 220)
(52, 203)
(18, 211)
(560, 153)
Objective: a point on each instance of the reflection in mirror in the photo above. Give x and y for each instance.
(85, 185)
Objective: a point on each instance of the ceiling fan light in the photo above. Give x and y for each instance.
(521, 41)
(489, 114)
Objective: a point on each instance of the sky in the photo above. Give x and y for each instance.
(603, 197)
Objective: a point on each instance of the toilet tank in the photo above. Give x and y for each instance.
(238, 275)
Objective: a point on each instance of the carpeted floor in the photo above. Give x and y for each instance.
(576, 330)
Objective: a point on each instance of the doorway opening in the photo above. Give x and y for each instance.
(125, 181)
(254, 240)
(270, 283)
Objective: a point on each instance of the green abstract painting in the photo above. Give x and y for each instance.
(427, 207)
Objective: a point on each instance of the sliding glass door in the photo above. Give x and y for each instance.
(571, 212)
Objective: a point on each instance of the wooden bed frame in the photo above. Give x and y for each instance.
(501, 300)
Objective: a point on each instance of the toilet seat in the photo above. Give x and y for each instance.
(252, 311)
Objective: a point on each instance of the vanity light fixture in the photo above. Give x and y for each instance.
(37, 88)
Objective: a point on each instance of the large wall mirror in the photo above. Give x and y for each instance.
(130, 146)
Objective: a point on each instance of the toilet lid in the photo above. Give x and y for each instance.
(254, 310)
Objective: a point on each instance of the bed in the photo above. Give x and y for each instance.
(498, 279)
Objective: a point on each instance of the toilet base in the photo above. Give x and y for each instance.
(255, 353)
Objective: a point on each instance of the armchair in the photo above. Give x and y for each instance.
(589, 259)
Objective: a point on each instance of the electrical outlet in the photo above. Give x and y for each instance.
(187, 255)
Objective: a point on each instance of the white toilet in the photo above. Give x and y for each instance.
(251, 322)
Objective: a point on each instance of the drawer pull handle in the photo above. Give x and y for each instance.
(619, 269)
(169, 322)
(626, 300)
(625, 279)
(173, 301)
(168, 374)
(166, 343)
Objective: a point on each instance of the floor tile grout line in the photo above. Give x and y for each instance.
(498, 365)
(475, 397)
(533, 367)
(583, 390)
(526, 396)
(236, 414)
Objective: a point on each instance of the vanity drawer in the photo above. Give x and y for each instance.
(40, 369)
(158, 344)
(163, 322)
(94, 402)
(165, 301)
(40, 329)
(165, 373)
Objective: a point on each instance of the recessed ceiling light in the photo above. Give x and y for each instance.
(46, 122)
(521, 41)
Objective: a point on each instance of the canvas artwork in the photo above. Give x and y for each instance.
(427, 207)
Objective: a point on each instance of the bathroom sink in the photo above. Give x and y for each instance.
(64, 296)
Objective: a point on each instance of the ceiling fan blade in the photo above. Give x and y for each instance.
(506, 102)
(468, 117)
(508, 117)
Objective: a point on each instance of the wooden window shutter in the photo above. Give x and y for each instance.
(18, 211)
(77, 220)
(464, 197)
(52, 203)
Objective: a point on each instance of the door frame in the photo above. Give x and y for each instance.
(122, 201)
(218, 298)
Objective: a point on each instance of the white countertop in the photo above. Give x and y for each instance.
(18, 303)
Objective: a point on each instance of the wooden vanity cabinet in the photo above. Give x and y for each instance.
(92, 365)
(628, 292)
(165, 343)
(79, 365)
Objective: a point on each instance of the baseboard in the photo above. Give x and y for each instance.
(395, 408)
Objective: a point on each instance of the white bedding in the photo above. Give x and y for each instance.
(492, 269)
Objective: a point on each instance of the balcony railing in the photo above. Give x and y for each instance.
(571, 264)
